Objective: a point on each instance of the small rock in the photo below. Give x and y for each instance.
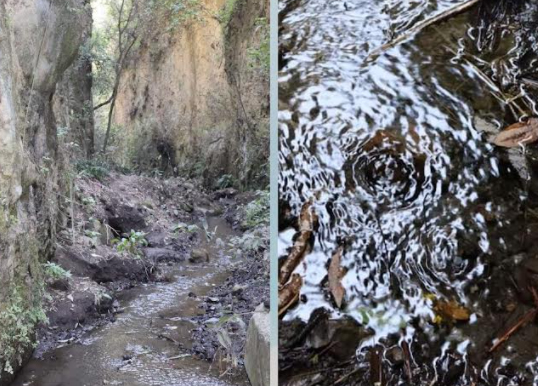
(238, 289)
(162, 254)
(198, 256)
(213, 300)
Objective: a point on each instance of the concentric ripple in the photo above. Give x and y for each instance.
(388, 151)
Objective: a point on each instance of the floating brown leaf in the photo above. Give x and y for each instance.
(518, 134)
(452, 311)
(288, 294)
(336, 273)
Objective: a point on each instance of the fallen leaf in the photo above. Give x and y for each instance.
(452, 311)
(288, 294)
(518, 134)
(296, 255)
(307, 222)
(336, 273)
(307, 218)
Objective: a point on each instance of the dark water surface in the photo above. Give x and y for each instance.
(395, 152)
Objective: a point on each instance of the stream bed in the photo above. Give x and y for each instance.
(394, 152)
(141, 347)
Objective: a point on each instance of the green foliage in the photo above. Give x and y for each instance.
(185, 228)
(88, 201)
(54, 271)
(92, 169)
(227, 323)
(209, 234)
(98, 51)
(225, 181)
(94, 237)
(132, 243)
(257, 212)
(18, 320)
(260, 57)
(99, 296)
(251, 242)
(225, 14)
(179, 11)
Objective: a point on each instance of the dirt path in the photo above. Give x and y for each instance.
(161, 332)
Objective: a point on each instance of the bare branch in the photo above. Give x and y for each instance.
(103, 104)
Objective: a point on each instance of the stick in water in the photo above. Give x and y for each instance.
(456, 10)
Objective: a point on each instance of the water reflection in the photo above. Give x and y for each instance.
(398, 169)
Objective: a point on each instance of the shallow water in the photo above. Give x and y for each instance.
(150, 310)
(394, 150)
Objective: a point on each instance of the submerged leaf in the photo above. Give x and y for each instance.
(518, 134)
(451, 311)
(336, 273)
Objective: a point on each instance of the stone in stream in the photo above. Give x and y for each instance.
(257, 349)
(162, 254)
(199, 255)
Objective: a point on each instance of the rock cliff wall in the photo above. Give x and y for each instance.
(39, 39)
(194, 100)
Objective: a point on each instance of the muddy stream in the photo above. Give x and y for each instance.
(132, 351)
(394, 151)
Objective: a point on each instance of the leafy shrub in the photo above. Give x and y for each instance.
(132, 243)
(226, 13)
(222, 328)
(225, 181)
(54, 271)
(251, 242)
(92, 169)
(259, 57)
(257, 211)
(18, 320)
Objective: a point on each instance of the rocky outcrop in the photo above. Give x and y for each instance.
(258, 349)
(195, 100)
(39, 39)
(73, 104)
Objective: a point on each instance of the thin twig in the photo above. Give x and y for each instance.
(512, 330)
(451, 12)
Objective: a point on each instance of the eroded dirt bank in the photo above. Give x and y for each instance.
(150, 312)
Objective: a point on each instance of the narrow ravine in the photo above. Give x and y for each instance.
(149, 339)
(126, 138)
